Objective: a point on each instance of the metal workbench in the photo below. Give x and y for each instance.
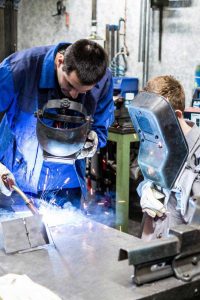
(84, 265)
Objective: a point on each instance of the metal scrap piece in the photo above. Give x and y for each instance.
(36, 231)
(15, 235)
(24, 233)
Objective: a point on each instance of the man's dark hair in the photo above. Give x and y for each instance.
(88, 59)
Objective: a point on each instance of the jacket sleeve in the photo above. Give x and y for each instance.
(104, 114)
(7, 93)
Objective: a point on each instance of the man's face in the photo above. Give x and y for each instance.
(69, 83)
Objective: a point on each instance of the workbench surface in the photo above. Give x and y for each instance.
(84, 265)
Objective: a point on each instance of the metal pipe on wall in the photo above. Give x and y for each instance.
(147, 44)
(8, 27)
(141, 32)
(144, 36)
(94, 17)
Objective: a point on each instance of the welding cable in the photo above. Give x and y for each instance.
(28, 202)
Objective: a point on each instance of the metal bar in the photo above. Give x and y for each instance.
(112, 52)
(160, 32)
(94, 17)
(147, 37)
(143, 53)
(117, 49)
(141, 32)
(107, 43)
(94, 12)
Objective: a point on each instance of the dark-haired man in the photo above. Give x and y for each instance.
(76, 71)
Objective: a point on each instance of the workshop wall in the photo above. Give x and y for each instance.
(180, 38)
(180, 42)
(36, 26)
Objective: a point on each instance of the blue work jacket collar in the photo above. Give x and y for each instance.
(48, 78)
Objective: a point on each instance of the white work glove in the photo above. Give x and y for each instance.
(150, 203)
(6, 186)
(90, 146)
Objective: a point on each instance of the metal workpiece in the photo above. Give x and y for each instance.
(82, 265)
(186, 265)
(154, 250)
(24, 233)
(151, 260)
(189, 237)
(178, 256)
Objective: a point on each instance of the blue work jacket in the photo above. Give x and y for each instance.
(26, 77)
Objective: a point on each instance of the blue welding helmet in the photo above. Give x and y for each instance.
(62, 129)
(163, 149)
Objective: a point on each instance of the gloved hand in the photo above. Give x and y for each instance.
(90, 146)
(6, 186)
(150, 203)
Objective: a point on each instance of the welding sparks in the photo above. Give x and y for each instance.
(107, 213)
(121, 201)
(93, 171)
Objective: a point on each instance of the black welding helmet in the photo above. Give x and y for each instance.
(163, 149)
(62, 128)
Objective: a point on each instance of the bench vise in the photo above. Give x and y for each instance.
(178, 255)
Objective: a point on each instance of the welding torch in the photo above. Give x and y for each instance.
(9, 184)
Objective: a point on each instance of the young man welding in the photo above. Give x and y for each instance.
(165, 208)
(28, 80)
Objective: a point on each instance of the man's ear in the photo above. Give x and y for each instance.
(59, 59)
(179, 114)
